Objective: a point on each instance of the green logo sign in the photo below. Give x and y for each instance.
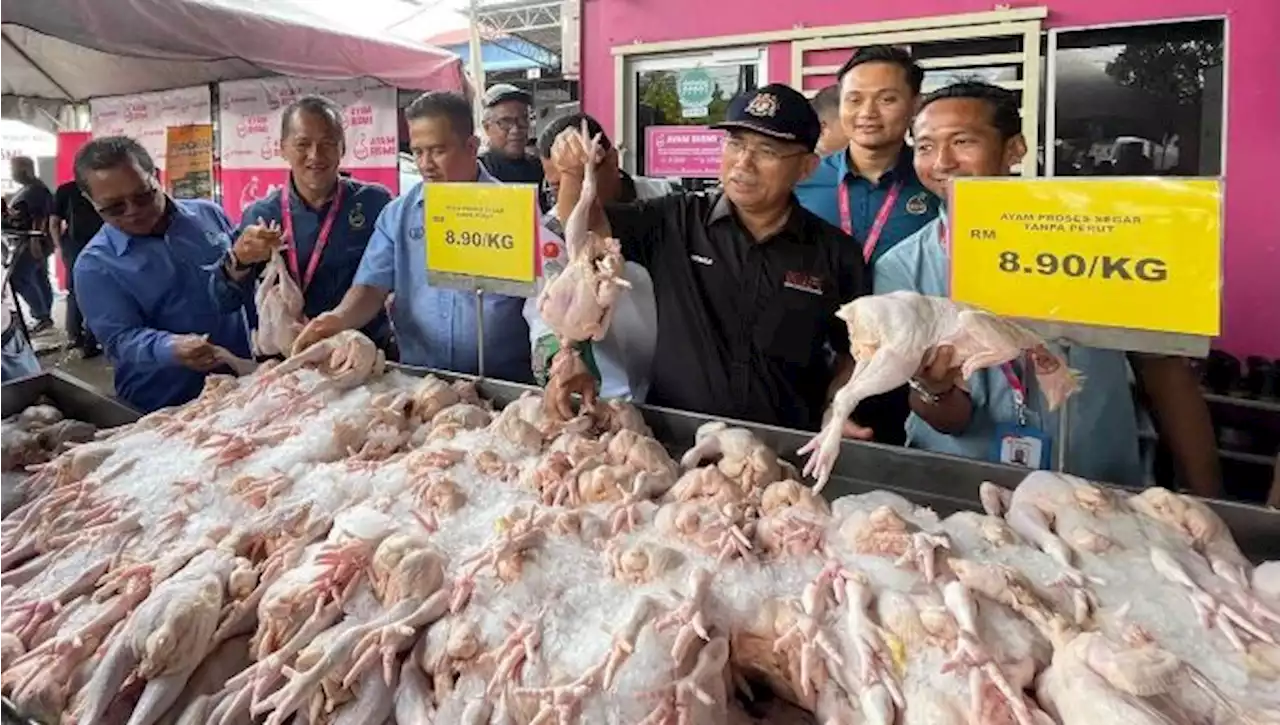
(695, 88)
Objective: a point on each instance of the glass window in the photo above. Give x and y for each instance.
(658, 102)
(1139, 100)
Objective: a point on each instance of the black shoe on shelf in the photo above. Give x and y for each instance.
(1270, 388)
(1257, 370)
(1221, 371)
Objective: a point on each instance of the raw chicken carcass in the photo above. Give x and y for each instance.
(889, 335)
(280, 302)
(509, 567)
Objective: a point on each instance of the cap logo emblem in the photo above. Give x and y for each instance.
(764, 105)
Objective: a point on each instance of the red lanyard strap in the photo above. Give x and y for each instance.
(882, 216)
(322, 239)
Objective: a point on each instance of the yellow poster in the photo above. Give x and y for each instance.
(1143, 254)
(481, 230)
(188, 169)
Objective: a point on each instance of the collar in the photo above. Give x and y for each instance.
(296, 198)
(120, 241)
(722, 209)
(903, 169)
(482, 177)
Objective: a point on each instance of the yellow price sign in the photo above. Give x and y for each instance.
(482, 230)
(1144, 254)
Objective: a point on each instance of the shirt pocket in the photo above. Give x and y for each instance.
(791, 326)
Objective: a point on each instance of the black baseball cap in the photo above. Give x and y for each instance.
(503, 92)
(776, 110)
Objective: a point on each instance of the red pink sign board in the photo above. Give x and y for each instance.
(689, 151)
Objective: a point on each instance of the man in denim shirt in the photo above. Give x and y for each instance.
(434, 327)
(974, 129)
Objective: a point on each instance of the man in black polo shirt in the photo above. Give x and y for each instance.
(747, 281)
(506, 129)
(72, 225)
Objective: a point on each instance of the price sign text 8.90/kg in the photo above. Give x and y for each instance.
(481, 236)
(1141, 254)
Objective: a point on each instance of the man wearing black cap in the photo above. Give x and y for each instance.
(506, 126)
(746, 280)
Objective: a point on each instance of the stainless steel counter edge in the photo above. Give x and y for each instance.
(942, 482)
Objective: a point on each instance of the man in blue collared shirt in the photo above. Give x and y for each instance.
(870, 189)
(434, 327)
(142, 280)
(974, 129)
(328, 226)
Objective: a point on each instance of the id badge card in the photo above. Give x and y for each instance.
(1022, 445)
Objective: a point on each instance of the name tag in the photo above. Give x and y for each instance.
(705, 261)
(1025, 446)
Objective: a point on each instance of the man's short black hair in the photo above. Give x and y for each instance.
(827, 101)
(22, 162)
(1006, 115)
(444, 104)
(573, 120)
(886, 54)
(320, 106)
(110, 152)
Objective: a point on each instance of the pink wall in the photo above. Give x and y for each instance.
(1252, 256)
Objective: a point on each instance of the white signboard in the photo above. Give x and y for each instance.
(145, 116)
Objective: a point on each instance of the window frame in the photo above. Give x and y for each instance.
(631, 66)
(1051, 86)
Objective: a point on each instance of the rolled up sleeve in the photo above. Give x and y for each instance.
(378, 264)
(116, 320)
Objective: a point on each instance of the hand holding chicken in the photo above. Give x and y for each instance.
(891, 334)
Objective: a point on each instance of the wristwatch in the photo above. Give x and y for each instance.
(924, 393)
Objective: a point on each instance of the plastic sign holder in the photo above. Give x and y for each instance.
(481, 238)
(1120, 263)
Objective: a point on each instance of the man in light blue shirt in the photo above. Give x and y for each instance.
(143, 279)
(434, 327)
(974, 129)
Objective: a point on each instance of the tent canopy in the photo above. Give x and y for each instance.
(72, 50)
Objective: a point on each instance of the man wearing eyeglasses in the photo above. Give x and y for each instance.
(506, 129)
(143, 280)
(747, 281)
(323, 220)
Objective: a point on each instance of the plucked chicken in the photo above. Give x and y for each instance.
(889, 335)
(279, 301)
(578, 303)
(333, 563)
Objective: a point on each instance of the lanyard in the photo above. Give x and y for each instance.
(882, 216)
(1019, 392)
(322, 239)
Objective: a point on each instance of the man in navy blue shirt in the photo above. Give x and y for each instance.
(143, 279)
(870, 190)
(324, 220)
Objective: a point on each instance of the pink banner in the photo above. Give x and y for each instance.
(692, 151)
(242, 187)
(147, 116)
(250, 114)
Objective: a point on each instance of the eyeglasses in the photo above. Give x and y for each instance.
(122, 207)
(510, 123)
(736, 149)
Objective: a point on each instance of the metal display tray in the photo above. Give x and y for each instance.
(74, 397)
(944, 483)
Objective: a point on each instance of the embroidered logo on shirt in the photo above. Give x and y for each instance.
(705, 261)
(550, 250)
(917, 204)
(803, 282)
(764, 105)
(416, 232)
(356, 218)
